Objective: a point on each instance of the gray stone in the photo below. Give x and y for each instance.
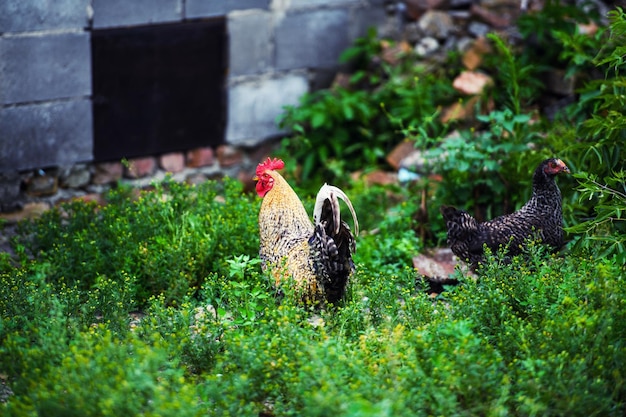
(458, 4)
(451, 43)
(10, 182)
(426, 46)
(75, 176)
(250, 42)
(464, 44)
(364, 18)
(478, 29)
(436, 24)
(37, 68)
(46, 134)
(312, 39)
(207, 8)
(111, 13)
(35, 15)
(254, 106)
(42, 184)
(500, 3)
(411, 32)
(324, 77)
(318, 3)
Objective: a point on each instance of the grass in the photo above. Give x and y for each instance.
(540, 336)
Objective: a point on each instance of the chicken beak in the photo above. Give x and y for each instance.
(255, 178)
(564, 167)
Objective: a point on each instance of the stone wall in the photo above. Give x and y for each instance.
(278, 50)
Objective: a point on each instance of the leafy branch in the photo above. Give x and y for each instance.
(608, 227)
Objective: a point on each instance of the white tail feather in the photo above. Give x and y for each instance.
(332, 193)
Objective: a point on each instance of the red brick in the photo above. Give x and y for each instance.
(107, 172)
(492, 18)
(472, 82)
(140, 167)
(381, 177)
(200, 157)
(473, 57)
(172, 162)
(404, 148)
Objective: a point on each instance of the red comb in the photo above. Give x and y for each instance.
(269, 164)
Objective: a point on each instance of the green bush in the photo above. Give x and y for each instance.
(99, 374)
(477, 166)
(600, 151)
(545, 32)
(165, 241)
(346, 128)
(556, 323)
(541, 335)
(487, 165)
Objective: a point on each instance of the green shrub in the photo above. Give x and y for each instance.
(389, 246)
(486, 164)
(191, 332)
(546, 32)
(343, 129)
(601, 154)
(36, 325)
(478, 166)
(165, 241)
(541, 335)
(38, 319)
(517, 83)
(557, 325)
(99, 374)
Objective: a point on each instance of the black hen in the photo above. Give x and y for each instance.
(540, 217)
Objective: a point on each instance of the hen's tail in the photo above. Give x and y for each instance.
(332, 242)
(463, 230)
(450, 213)
(459, 223)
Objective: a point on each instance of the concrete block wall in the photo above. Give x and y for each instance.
(45, 84)
(276, 50)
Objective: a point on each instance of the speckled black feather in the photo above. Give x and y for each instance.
(541, 217)
(332, 254)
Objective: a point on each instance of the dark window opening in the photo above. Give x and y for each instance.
(158, 88)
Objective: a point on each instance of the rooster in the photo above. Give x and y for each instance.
(316, 255)
(540, 217)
